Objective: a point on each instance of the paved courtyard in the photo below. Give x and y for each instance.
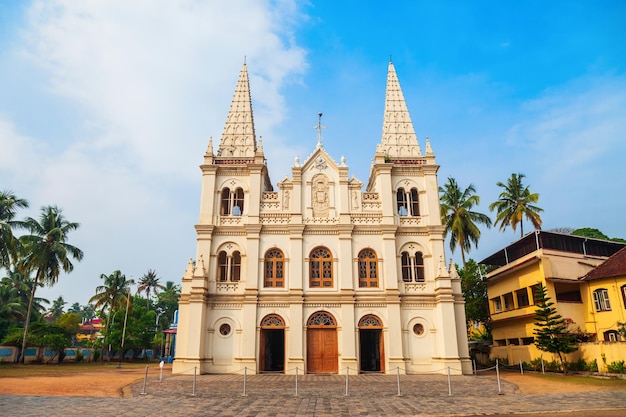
(318, 395)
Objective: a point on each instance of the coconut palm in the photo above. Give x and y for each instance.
(9, 205)
(22, 284)
(47, 252)
(514, 203)
(112, 295)
(149, 283)
(458, 218)
(56, 309)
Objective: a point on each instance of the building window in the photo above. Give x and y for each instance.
(407, 202)
(274, 267)
(225, 329)
(412, 267)
(601, 300)
(320, 268)
(508, 301)
(528, 340)
(611, 336)
(522, 297)
(232, 202)
(497, 304)
(623, 290)
(235, 266)
(368, 268)
(536, 291)
(418, 329)
(222, 267)
(228, 266)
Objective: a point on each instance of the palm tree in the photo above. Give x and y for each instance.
(56, 309)
(47, 252)
(458, 218)
(22, 283)
(112, 295)
(9, 204)
(515, 203)
(149, 282)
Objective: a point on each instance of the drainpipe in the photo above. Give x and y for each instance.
(537, 238)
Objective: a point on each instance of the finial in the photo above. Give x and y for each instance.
(390, 61)
(319, 128)
(296, 161)
(429, 150)
(244, 59)
(343, 161)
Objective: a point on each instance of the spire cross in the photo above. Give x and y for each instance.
(319, 128)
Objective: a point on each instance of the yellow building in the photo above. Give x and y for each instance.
(558, 262)
(604, 297)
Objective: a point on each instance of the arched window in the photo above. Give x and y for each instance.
(228, 266)
(415, 206)
(601, 300)
(238, 202)
(419, 267)
(235, 266)
(274, 267)
(412, 267)
(320, 268)
(407, 202)
(232, 202)
(368, 268)
(222, 267)
(401, 203)
(623, 290)
(225, 202)
(406, 267)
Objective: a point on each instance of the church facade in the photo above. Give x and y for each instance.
(320, 275)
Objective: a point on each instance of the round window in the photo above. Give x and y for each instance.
(225, 329)
(418, 329)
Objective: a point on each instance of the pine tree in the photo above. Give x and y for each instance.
(551, 328)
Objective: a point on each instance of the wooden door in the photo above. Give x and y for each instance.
(322, 350)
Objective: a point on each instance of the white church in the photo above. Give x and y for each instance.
(319, 275)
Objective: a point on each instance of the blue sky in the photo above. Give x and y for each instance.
(106, 107)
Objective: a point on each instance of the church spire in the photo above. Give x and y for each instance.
(399, 139)
(238, 139)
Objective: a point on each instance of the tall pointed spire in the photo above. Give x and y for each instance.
(239, 139)
(399, 139)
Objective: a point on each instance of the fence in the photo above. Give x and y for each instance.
(293, 382)
(603, 353)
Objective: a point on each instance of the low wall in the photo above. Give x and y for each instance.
(603, 352)
(11, 353)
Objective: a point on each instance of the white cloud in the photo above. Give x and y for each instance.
(153, 80)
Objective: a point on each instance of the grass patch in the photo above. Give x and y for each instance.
(608, 383)
(14, 370)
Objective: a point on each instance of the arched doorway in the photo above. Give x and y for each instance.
(321, 347)
(371, 353)
(272, 349)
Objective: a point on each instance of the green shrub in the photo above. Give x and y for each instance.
(617, 367)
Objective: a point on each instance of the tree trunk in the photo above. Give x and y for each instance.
(28, 313)
(463, 258)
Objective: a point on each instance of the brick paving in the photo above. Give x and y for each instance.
(317, 395)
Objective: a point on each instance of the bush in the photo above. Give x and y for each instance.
(616, 367)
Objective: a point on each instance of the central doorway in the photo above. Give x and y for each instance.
(371, 356)
(272, 346)
(322, 344)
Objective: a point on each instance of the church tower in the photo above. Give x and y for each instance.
(320, 275)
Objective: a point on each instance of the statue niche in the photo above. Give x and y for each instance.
(320, 195)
